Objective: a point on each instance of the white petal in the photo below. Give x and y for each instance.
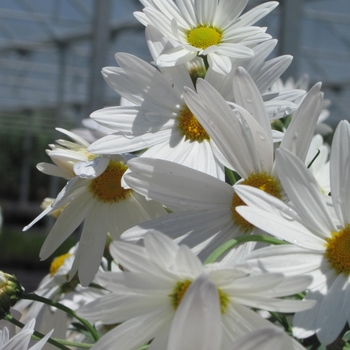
(135, 332)
(334, 310)
(287, 259)
(91, 169)
(114, 144)
(177, 185)
(70, 218)
(75, 137)
(193, 154)
(53, 170)
(267, 339)
(301, 129)
(282, 227)
(340, 172)
(248, 96)
(219, 63)
(187, 262)
(304, 193)
(91, 245)
(228, 10)
(177, 55)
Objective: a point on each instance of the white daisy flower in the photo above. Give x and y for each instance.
(96, 196)
(165, 294)
(65, 154)
(264, 73)
(21, 340)
(210, 28)
(244, 138)
(320, 246)
(160, 120)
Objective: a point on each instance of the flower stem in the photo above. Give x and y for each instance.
(215, 255)
(89, 327)
(19, 324)
(230, 176)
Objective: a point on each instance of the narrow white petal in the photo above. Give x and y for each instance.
(304, 322)
(340, 172)
(91, 169)
(334, 310)
(219, 63)
(177, 185)
(279, 305)
(53, 170)
(135, 332)
(304, 192)
(161, 249)
(287, 259)
(255, 14)
(67, 222)
(301, 129)
(175, 56)
(228, 10)
(193, 154)
(74, 137)
(117, 143)
(187, 262)
(92, 243)
(222, 125)
(267, 339)
(282, 227)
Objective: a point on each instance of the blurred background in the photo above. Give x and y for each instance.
(51, 56)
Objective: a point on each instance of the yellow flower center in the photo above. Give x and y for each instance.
(203, 36)
(178, 292)
(190, 127)
(338, 251)
(262, 181)
(57, 263)
(224, 300)
(107, 187)
(181, 288)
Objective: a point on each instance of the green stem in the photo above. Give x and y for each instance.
(314, 158)
(239, 240)
(282, 319)
(230, 176)
(17, 323)
(72, 343)
(69, 311)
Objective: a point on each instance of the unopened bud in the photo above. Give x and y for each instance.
(10, 292)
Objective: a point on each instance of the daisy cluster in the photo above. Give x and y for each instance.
(213, 214)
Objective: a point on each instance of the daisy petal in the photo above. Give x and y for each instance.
(334, 310)
(340, 172)
(304, 193)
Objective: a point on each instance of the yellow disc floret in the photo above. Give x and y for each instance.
(107, 187)
(178, 292)
(204, 36)
(57, 263)
(338, 251)
(224, 300)
(190, 127)
(262, 181)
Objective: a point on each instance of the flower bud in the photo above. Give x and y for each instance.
(10, 292)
